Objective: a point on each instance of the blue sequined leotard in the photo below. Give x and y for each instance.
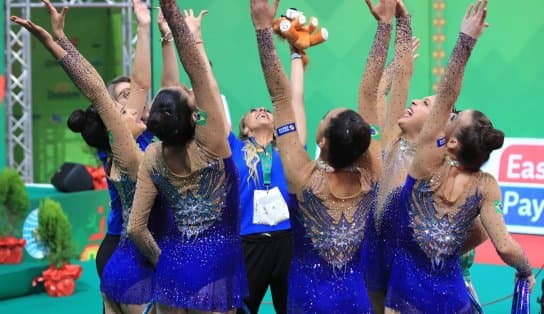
(201, 262)
(426, 274)
(326, 271)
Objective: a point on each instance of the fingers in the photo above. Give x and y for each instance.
(477, 7)
(415, 44)
(469, 11)
(20, 21)
(17, 20)
(191, 12)
(63, 12)
(275, 8)
(50, 8)
(370, 5)
(483, 16)
(202, 13)
(185, 13)
(485, 4)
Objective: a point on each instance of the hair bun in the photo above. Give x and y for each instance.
(162, 124)
(77, 121)
(493, 138)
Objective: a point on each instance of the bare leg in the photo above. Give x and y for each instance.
(378, 301)
(133, 308)
(389, 310)
(111, 307)
(165, 309)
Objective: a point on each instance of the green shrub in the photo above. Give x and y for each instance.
(55, 232)
(14, 203)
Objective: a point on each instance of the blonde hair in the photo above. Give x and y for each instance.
(251, 156)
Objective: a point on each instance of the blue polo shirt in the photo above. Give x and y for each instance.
(247, 186)
(115, 218)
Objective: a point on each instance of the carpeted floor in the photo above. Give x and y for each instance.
(492, 282)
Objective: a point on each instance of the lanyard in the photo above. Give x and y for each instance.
(265, 157)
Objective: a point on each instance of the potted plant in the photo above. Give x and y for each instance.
(14, 204)
(55, 232)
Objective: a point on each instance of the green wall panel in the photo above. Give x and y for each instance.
(503, 77)
(54, 96)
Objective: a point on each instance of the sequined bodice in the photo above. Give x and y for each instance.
(335, 227)
(440, 237)
(395, 168)
(125, 187)
(198, 200)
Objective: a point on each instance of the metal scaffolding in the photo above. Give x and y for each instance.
(19, 73)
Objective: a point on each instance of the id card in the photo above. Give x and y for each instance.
(269, 207)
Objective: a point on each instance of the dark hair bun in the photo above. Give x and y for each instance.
(493, 138)
(349, 137)
(170, 117)
(162, 124)
(92, 129)
(77, 121)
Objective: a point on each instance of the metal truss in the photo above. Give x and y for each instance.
(19, 73)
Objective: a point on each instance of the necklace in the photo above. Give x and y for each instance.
(452, 162)
(405, 146)
(322, 165)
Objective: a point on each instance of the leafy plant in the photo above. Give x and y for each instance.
(14, 203)
(55, 232)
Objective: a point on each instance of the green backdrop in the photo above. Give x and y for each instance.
(54, 96)
(503, 78)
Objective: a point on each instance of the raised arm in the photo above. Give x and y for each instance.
(403, 69)
(89, 82)
(292, 153)
(145, 195)
(209, 133)
(383, 90)
(428, 157)
(297, 95)
(368, 88)
(170, 70)
(492, 219)
(140, 78)
(194, 23)
(42, 35)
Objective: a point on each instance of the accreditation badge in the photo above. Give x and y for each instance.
(269, 207)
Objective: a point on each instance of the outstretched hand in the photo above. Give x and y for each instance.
(384, 11)
(34, 29)
(262, 14)
(163, 25)
(141, 11)
(57, 19)
(401, 9)
(474, 21)
(194, 22)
